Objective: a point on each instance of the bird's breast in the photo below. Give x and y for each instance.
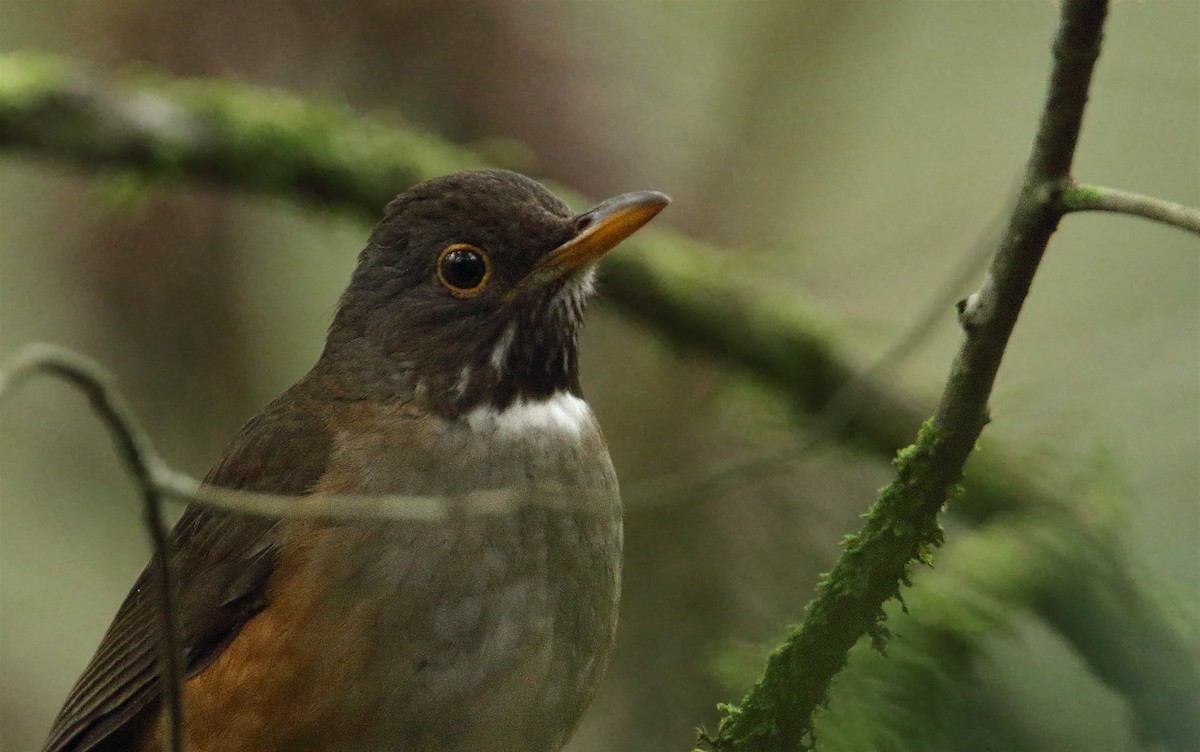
(486, 626)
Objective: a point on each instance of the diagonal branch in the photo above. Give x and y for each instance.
(902, 527)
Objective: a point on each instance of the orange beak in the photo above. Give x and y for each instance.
(601, 229)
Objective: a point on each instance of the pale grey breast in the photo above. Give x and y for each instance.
(489, 628)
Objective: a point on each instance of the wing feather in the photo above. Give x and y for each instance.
(223, 561)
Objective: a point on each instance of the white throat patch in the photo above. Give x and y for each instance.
(561, 414)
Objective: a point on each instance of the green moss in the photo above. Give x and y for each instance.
(901, 528)
(1076, 197)
(27, 77)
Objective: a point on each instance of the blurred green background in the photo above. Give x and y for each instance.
(850, 153)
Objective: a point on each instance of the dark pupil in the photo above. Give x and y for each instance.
(464, 269)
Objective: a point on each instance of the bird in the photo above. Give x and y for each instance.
(450, 371)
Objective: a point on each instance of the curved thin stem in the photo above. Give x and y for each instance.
(143, 463)
(1080, 197)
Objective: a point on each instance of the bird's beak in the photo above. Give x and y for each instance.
(599, 230)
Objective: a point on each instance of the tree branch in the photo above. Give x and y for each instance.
(252, 140)
(155, 479)
(221, 133)
(902, 527)
(142, 462)
(153, 475)
(1079, 198)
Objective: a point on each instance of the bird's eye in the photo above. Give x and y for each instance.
(464, 269)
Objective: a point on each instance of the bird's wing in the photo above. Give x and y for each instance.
(223, 562)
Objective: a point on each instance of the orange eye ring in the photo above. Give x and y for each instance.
(464, 269)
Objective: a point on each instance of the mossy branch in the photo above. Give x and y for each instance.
(240, 137)
(223, 133)
(902, 527)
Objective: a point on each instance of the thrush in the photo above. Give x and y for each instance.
(450, 371)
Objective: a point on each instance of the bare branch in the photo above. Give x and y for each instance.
(1079, 198)
(353, 508)
(142, 462)
(152, 474)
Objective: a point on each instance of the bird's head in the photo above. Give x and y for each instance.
(473, 287)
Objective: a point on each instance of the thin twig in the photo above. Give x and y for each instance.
(902, 527)
(154, 476)
(351, 508)
(1080, 197)
(140, 459)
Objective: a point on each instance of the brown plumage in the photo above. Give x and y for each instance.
(450, 371)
